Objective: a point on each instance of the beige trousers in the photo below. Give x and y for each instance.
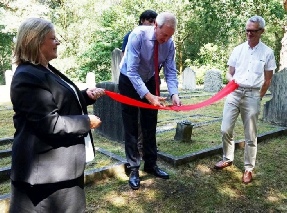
(246, 102)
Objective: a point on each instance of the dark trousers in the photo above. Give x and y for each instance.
(148, 122)
(61, 197)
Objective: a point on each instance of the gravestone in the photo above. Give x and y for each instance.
(14, 66)
(8, 77)
(213, 81)
(110, 113)
(275, 110)
(183, 131)
(116, 60)
(90, 79)
(188, 79)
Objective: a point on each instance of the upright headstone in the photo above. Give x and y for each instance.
(213, 81)
(275, 110)
(116, 60)
(188, 79)
(14, 66)
(8, 77)
(110, 113)
(90, 79)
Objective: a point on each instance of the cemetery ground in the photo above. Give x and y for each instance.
(193, 186)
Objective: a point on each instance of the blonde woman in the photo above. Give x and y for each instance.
(52, 127)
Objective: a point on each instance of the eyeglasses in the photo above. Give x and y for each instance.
(252, 31)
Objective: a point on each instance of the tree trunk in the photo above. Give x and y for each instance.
(283, 52)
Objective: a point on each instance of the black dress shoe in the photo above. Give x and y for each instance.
(134, 180)
(156, 172)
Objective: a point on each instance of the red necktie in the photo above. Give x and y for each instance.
(156, 74)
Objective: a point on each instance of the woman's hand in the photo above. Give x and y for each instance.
(95, 93)
(94, 121)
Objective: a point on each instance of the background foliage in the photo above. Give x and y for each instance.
(90, 29)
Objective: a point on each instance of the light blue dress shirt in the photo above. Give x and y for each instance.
(138, 61)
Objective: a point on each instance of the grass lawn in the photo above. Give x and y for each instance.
(197, 187)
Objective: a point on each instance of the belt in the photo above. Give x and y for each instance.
(248, 88)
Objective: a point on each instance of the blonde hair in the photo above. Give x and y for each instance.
(31, 34)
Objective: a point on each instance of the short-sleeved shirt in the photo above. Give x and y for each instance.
(138, 61)
(250, 64)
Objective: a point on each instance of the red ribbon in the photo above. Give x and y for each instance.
(230, 87)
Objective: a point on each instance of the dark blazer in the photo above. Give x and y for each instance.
(49, 142)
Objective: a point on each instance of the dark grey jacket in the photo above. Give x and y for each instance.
(48, 143)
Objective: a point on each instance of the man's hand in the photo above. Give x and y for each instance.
(155, 100)
(175, 100)
(230, 73)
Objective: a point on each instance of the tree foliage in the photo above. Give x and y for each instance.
(89, 30)
(5, 52)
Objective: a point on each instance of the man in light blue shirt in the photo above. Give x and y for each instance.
(137, 80)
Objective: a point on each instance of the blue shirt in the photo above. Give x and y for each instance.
(138, 61)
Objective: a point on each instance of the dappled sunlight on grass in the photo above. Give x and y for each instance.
(229, 191)
(197, 187)
(148, 183)
(116, 200)
(203, 169)
(274, 195)
(121, 175)
(229, 182)
(123, 198)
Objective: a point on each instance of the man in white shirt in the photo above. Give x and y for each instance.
(251, 65)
